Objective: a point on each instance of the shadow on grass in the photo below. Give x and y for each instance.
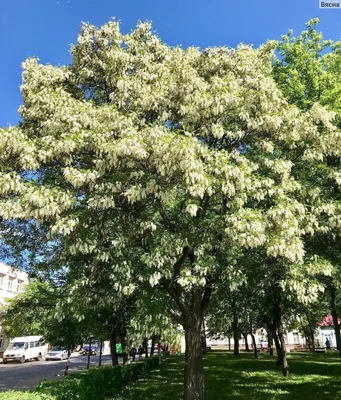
(163, 383)
(312, 376)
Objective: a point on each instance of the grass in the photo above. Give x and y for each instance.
(312, 376)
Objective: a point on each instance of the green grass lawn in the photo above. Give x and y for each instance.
(312, 376)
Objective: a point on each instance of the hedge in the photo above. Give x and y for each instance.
(94, 384)
(11, 395)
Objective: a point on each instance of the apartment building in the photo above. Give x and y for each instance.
(12, 282)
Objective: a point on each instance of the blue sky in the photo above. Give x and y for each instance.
(46, 28)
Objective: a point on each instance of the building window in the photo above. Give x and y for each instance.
(19, 286)
(296, 338)
(10, 284)
(1, 281)
(2, 341)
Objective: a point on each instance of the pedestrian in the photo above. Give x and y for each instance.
(133, 353)
(327, 344)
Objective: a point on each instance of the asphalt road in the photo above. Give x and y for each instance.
(18, 376)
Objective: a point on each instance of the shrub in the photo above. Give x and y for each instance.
(94, 384)
(11, 395)
(164, 355)
(71, 387)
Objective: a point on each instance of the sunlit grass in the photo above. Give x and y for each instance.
(312, 376)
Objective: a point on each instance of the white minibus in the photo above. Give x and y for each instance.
(24, 348)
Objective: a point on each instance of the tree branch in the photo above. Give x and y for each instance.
(180, 303)
(176, 317)
(176, 267)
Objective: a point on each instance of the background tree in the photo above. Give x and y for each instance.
(39, 311)
(307, 71)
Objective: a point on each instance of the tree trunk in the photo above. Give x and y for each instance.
(246, 342)
(229, 343)
(154, 337)
(100, 352)
(270, 343)
(282, 359)
(114, 358)
(203, 337)
(255, 352)
(311, 333)
(337, 331)
(193, 306)
(67, 366)
(89, 354)
(335, 319)
(278, 349)
(235, 335)
(194, 378)
(145, 347)
(285, 366)
(123, 337)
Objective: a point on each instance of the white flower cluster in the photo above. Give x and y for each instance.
(181, 147)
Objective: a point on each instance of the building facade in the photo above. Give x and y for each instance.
(292, 340)
(12, 282)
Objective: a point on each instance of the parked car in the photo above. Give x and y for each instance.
(24, 348)
(94, 348)
(57, 353)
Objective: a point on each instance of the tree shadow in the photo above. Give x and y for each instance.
(229, 377)
(312, 377)
(163, 383)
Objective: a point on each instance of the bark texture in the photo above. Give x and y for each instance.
(67, 366)
(194, 378)
(235, 335)
(100, 353)
(282, 359)
(89, 354)
(270, 343)
(113, 353)
(246, 342)
(335, 318)
(255, 351)
(154, 337)
(285, 366)
(145, 347)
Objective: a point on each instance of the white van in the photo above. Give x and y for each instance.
(24, 348)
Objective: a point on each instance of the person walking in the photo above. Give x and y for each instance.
(327, 344)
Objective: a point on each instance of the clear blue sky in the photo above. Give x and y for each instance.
(45, 28)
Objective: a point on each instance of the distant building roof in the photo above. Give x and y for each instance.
(10, 267)
(328, 321)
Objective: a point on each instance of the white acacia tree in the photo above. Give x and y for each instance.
(158, 162)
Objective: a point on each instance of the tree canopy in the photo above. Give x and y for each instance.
(141, 163)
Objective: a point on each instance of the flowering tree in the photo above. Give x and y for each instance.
(152, 163)
(33, 312)
(308, 74)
